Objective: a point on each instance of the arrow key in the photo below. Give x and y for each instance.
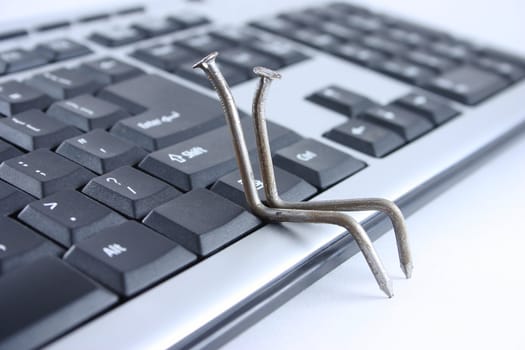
(68, 217)
(366, 137)
(402, 121)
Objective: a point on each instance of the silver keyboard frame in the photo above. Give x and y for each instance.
(216, 299)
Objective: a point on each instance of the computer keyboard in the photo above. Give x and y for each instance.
(123, 215)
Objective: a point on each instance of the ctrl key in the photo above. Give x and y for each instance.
(44, 299)
(129, 257)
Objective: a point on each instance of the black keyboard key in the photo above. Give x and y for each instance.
(317, 163)
(507, 70)
(405, 71)
(62, 49)
(68, 217)
(401, 121)
(165, 56)
(430, 61)
(188, 19)
(246, 59)
(507, 65)
(42, 172)
(45, 299)
(130, 191)
(100, 151)
(16, 97)
(452, 50)
(87, 112)
(291, 188)
(150, 91)
(275, 25)
(365, 23)
(344, 9)
(437, 111)
(202, 160)
(108, 70)
(19, 59)
(151, 27)
(279, 50)
(339, 31)
(8, 151)
(52, 26)
(314, 38)
(429, 35)
(153, 129)
(15, 33)
(201, 221)
(130, 10)
(468, 84)
(94, 17)
(64, 83)
(366, 137)
(358, 54)
(302, 18)
(33, 129)
(20, 245)
(237, 36)
(128, 258)
(204, 44)
(117, 36)
(341, 100)
(12, 199)
(406, 37)
(233, 75)
(384, 45)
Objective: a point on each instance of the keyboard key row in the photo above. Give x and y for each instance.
(147, 28)
(379, 130)
(16, 60)
(241, 49)
(454, 68)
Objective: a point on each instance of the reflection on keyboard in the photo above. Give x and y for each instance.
(114, 179)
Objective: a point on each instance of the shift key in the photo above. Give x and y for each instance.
(202, 160)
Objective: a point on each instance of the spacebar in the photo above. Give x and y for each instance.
(42, 300)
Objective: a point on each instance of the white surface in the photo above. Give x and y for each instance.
(469, 246)
(467, 291)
